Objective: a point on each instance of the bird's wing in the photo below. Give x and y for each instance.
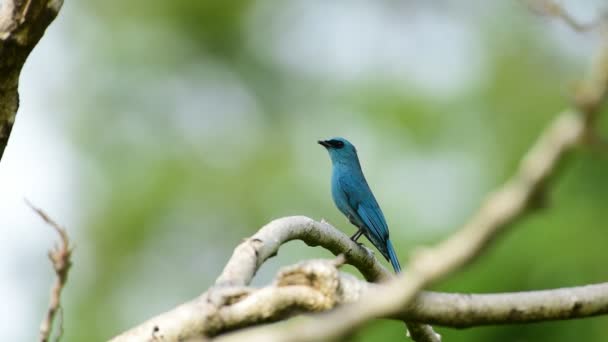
(362, 201)
(373, 218)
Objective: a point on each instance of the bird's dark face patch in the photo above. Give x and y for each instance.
(336, 143)
(333, 143)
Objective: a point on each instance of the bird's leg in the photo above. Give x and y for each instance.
(357, 235)
(358, 232)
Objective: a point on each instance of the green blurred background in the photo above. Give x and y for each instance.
(193, 123)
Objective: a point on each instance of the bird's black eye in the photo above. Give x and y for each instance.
(336, 143)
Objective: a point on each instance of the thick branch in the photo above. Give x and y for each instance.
(199, 317)
(22, 24)
(317, 285)
(444, 309)
(252, 253)
(469, 310)
(204, 316)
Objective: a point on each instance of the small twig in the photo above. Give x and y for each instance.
(421, 332)
(553, 9)
(60, 257)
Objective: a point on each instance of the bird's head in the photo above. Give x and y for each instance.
(340, 150)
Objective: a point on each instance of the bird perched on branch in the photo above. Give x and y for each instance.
(355, 199)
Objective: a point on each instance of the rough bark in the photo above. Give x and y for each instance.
(22, 24)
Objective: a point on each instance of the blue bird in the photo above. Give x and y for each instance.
(355, 199)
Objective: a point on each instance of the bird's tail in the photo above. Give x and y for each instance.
(392, 256)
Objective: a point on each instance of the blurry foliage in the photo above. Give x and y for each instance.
(168, 206)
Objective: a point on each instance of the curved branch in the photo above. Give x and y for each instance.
(317, 285)
(456, 310)
(199, 317)
(444, 309)
(203, 315)
(250, 254)
(22, 24)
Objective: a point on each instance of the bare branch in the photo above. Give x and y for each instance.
(310, 286)
(469, 310)
(200, 316)
(454, 310)
(60, 257)
(250, 254)
(553, 9)
(317, 285)
(421, 332)
(22, 24)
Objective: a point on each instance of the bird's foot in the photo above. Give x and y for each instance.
(356, 236)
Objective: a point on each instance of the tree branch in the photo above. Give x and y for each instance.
(293, 291)
(469, 310)
(199, 317)
(444, 309)
(317, 285)
(553, 9)
(22, 24)
(252, 253)
(60, 257)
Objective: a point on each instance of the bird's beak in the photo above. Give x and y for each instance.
(324, 143)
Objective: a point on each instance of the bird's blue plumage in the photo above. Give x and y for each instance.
(354, 198)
